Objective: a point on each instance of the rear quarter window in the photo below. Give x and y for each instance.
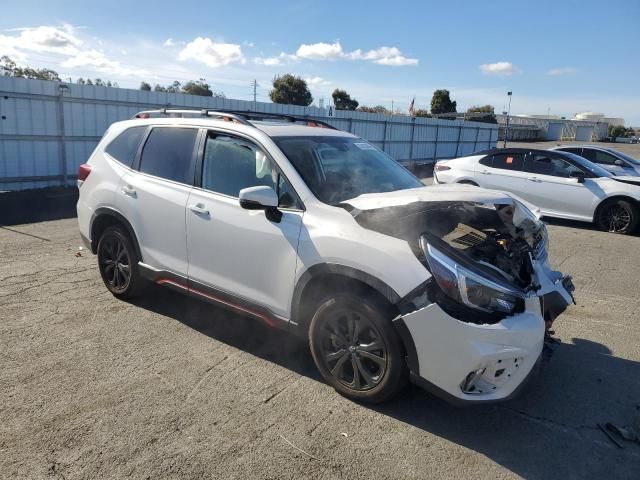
(508, 161)
(124, 147)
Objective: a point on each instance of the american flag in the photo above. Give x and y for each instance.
(411, 105)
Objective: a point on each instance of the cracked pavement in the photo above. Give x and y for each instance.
(169, 387)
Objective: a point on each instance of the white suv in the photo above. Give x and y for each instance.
(312, 229)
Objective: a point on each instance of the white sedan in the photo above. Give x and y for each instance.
(560, 184)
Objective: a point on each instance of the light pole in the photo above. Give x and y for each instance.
(506, 130)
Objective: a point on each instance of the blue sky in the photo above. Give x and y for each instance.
(562, 56)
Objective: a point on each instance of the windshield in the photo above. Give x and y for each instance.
(339, 168)
(631, 160)
(595, 169)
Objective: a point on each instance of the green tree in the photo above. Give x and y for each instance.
(617, 131)
(291, 90)
(441, 102)
(10, 69)
(145, 86)
(420, 112)
(343, 101)
(376, 109)
(484, 113)
(197, 87)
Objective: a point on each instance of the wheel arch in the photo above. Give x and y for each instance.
(321, 278)
(613, 198)
(104, 217)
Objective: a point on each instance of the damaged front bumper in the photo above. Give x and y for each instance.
(466, 362)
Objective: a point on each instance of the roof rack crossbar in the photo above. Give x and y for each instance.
(238, 116)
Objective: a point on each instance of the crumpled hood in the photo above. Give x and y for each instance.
(435, 193)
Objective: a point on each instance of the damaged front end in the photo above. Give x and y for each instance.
(476, 327)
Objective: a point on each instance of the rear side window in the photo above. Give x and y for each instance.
(577, 151)
(168, 153)
(125, 146)
(508, 161)
(487, 161)
(598, 156)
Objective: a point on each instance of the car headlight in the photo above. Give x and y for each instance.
(470, 288)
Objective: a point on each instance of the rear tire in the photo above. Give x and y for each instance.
(618, 216)
(356, 349)
(118, 263)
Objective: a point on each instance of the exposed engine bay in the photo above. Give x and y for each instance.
(500, 239)
(481, 255)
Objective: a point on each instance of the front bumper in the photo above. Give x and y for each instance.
(465, 362)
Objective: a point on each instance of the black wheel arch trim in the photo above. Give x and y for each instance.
(121, 219)
(320, 269)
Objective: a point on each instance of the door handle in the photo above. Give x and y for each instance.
(199, 208)
(485, 172)
(533, 179)
(129, 191)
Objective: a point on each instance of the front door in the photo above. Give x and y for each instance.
(236, 251)
(555, 191)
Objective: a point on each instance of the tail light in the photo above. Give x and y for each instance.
(83, 172)
(440, 167)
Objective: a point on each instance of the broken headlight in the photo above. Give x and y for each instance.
(470, 288)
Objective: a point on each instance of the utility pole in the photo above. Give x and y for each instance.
(506, 131)
(255, 86)
(392, 106)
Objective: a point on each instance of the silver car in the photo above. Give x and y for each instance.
(610, 159)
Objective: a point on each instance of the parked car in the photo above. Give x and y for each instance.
(612, 160)
(314, 230)
(561, 184)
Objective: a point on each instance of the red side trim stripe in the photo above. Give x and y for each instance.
(263, 317)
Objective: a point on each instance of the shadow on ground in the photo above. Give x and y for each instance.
(550, 431)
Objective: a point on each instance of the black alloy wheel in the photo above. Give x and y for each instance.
(353, 350)
(117, 262)
(618, 216)
(356, 348)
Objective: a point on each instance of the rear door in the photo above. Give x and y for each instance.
(552, 188)
(239, 255)
(502, 171)
(156, 196)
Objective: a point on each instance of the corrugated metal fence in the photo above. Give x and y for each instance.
(47, 129)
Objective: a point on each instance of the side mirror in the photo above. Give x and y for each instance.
(261, 198)
(619, 163)
(578, 175)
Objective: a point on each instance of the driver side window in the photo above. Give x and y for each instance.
(231, 164)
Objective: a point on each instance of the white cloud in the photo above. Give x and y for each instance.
(212, 54)
(498, 68)
(98, 61)
(333, 51)
(383, 56)
(61, 40)
(282, 59)
(561, 71)
(169, 42)
(316, 82)
(320, 51)
(246, 43)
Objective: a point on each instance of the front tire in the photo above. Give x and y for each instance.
(618, 216)
(356, 349)
(118, 263)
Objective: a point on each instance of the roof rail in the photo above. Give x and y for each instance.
(198, 112)
(237, 116)
(309, 121)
